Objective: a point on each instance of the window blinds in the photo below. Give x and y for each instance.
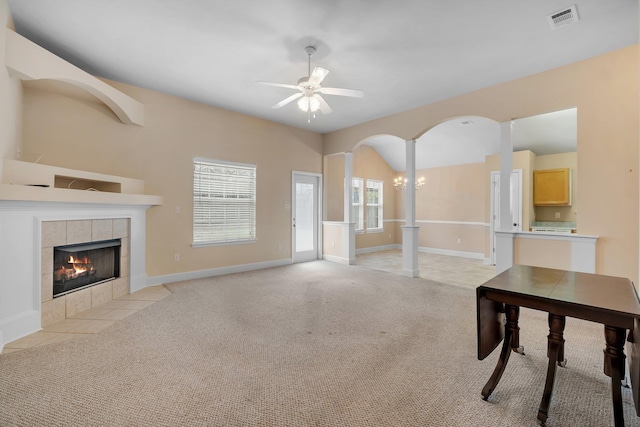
(224, 202)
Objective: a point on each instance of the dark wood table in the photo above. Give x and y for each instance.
(611, 301)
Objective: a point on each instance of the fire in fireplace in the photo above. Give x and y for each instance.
(86, 264)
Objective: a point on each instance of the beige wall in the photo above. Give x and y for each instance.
(72, 131)
(555, 161)
(453, 194)
(605, 91)
(367, 164)
(10, 98)
(332, 239)
(333, 188)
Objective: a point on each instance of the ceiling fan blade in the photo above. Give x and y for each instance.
(318, 74)
(260, 82)
(324, 107)
(288, 100)
(355, 93)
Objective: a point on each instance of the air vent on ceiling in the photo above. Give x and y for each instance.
(563, 17)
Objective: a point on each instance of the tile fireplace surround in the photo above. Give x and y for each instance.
(59, 233)
(29, 230)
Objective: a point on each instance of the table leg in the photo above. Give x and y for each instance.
(555, 353)
(511, 342)
(614, 367)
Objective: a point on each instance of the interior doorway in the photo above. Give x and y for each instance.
(515, 206)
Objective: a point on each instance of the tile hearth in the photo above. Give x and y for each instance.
(90, 321)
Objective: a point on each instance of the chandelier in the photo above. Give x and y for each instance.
(400, 183)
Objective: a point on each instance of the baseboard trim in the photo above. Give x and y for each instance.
(377, 249)
(19, 326)
(338, 259)
(424, 249)
(201, 274)
(462, 254)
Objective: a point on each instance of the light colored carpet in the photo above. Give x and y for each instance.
(315, 344)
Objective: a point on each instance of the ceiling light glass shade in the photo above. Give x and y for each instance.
(309, 103)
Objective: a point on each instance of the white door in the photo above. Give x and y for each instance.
(515, 206)
(306, 209)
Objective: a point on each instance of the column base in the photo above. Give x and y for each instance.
(410, 251)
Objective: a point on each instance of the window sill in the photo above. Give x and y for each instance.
(208, 244)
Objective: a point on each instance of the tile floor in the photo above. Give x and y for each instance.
(440, 268)
(447, 269)
(90, 321)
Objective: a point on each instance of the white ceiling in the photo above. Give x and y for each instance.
(403, 54)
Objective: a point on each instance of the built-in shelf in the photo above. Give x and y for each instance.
(72, 183)
(31, 182)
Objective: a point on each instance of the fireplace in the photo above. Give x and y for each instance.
(83, 265)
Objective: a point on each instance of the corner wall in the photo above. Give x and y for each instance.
(11, 99)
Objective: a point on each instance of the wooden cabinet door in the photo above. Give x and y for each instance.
(552, 187)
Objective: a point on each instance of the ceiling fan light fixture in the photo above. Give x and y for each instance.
(309, 104)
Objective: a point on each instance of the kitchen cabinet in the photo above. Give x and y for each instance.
(552, 187)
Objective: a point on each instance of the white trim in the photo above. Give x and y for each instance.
(377, 248)
(335, 258)
(461, 254)
(431, 221)
(201, 274)
(334, 223)
(555, 236)
(435, 221)
(19, 326)
(425, 249)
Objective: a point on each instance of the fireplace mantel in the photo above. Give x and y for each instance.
(33, 182)
(24, 193)
(23, 210)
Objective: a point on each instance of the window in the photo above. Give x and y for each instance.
(358, 206)
(224, 202)
(374, 205)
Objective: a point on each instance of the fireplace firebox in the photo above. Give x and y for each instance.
(82, 265)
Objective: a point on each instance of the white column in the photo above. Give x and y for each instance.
(505, 241)
(506, 166)
(409, 230)
(349, 230)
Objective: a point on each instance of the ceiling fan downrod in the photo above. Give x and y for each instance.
(309, 50)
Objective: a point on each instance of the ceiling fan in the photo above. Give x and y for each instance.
(309, 95)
